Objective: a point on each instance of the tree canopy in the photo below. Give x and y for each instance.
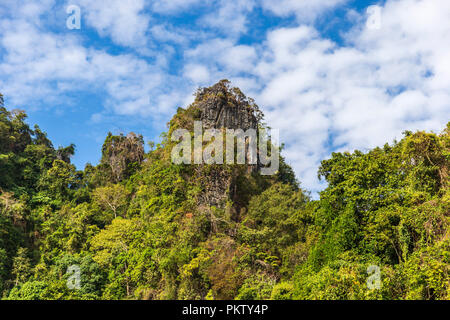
(138, 226)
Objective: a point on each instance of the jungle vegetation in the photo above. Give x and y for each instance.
(134, 226)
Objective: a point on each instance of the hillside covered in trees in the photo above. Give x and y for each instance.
(140, 227)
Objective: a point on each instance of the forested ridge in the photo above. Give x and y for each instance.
(140, 227)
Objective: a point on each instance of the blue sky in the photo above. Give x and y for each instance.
(323, 73)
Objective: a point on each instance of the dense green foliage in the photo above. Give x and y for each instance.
(137, 228)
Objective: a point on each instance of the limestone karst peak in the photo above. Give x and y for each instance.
(223, 106)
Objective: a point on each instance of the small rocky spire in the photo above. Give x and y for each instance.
(224, 107)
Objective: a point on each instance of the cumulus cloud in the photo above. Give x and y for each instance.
(231, 16)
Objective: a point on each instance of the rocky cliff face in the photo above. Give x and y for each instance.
(222, 106)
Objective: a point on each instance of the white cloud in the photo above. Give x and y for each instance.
(197, 73)
(326, 97)
(239, 58)
(124, 21)
(39, 67)
(323, 96)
